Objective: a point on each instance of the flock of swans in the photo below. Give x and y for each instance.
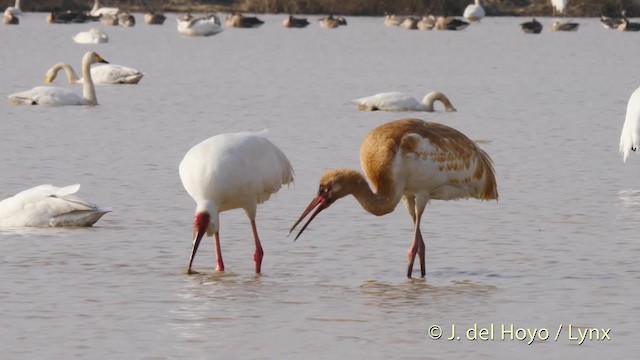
(409, 159)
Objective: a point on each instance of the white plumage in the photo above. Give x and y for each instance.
(474, 12)
(97, 10)
(49, 95)
(397, 101)
(230, 171)
(559, 6)
(92, 36)
(630, 137)
(48, 205)
(101, 75)
(199, 26)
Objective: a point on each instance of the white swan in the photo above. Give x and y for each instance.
(15, 9)
(10, 18)
(97, 10)
(93, 36)
(47, 205)
(630, 137)
(474, 12)
(101, 75)
(49, 95)
(199, 26)
(558, 6)
(397, 101)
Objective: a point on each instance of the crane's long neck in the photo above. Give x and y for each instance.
(88, 89)
(378, 203)
(72, 77)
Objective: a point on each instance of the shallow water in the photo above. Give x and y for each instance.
(559, 248)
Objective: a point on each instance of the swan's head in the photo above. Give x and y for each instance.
(91, 57)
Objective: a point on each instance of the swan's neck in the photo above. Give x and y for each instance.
(88, 90)
(478, 2)
(17, 4)
(378, 203)
(434, 96)
(72, 77)
(96, 6)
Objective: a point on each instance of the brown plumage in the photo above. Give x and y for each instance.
(414, 161)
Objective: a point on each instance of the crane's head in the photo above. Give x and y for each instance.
(334, 184)
(201, 225)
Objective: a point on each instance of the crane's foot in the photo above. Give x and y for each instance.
(257, 257)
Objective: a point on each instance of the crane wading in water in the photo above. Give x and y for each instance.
(412, 160)
(231, 171)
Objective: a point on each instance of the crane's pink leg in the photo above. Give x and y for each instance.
(257, 256)
(219, 263)
(417, 247)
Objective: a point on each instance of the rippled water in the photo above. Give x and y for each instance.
(559, 248)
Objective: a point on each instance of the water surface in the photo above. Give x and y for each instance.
(560, 246)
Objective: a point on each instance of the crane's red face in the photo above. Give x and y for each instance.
(323, 199)
(200, 225)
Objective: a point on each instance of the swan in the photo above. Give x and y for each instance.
(10, 18)
(397, 101)
(48, 205)
(199, 26)
(558, 6)
(474, 12)
(15, 9)
(101, 75)
(98, 10)
(93, 36)
(49, 95)
(630, 137)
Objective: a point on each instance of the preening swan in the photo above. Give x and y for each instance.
(98, 10)
(474, 12)
(10, 18)
(15, 9)
(630, 137)
(48, 205)
(397, 101)
(199, 26)
(93, 36)
(101, 75)
(49, 95)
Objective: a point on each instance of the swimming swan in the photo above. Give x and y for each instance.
(630, 137)
(474, 12)
(397, 101)
(101, 75)
(93, 36)
(49, 95)
(199, 26)
(48, 205)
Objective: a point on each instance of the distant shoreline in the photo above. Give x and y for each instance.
(493, 8)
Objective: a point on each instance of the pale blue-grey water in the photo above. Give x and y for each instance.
(560, 247)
